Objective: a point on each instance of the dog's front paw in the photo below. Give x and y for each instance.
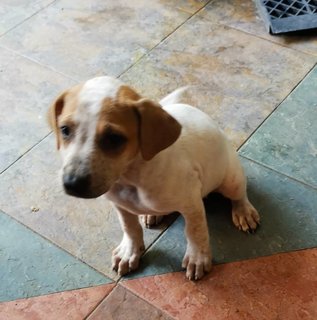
(196, 264)
(151, 221)
(126, 256)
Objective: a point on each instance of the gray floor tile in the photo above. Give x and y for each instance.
(85, 39)
(14, 12)
(238, 79)
(243, 15)
(26, 91)
(287, 141)
(32, 266)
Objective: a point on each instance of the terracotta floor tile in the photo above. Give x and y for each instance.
(237, 78)
(122, 304)
(26, 91)
(243, 15)
(88, 229)
(283, 286)
(84, 39)
(70, 305)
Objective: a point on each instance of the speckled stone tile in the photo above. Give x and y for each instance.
(282, 286)
(243, 15)
(88, 229)
(26, 90)
(122, 304)
(288, 222)
(14, 12)
(238, 79)
(189, 6)
(85, 39)
(75, 304)
(32, 266)
(287, 141)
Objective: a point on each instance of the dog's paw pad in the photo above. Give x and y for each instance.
(196, 265)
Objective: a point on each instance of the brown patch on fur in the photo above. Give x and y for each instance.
(158, 130)
(126, 94)
(144, 123)
(121, 119)
(62, 109)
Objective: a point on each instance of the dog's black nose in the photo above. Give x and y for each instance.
(76, 184)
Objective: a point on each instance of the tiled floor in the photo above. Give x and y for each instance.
(262, 90)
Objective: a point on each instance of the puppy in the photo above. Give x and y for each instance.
(147, 159)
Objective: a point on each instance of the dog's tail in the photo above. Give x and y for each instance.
(174, 97)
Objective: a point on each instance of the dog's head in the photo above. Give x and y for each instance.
(100, 127)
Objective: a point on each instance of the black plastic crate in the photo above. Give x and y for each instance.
(281, 16)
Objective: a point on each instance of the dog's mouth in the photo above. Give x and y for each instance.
(83, 195)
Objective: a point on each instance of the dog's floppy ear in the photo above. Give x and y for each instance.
(53, 113)
(157, 129)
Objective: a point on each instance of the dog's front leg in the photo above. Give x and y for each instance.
(197, 259)
(126, 256)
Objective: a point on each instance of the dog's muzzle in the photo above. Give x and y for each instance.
(76, 185)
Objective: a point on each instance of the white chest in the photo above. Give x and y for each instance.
(130, 199)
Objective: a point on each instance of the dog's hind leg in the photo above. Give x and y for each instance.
(244, 216)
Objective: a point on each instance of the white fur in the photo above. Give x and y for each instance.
(177, 178)
(199, 155)
(173, 97)
(95, 91)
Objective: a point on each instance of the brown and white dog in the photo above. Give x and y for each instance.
(147, 159)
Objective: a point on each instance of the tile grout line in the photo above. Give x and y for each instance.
(148, 302)
(163, 39)
(157, 238)
(258, 36)
(100, 302)
(280, 173)
(121, 73)
(267, 118)
(134, 294)
(276, 43)
(26, 19)
(55, 292)
(265, 256)
(121, 278)
(26, 152)
(59, 247)
(50, 68)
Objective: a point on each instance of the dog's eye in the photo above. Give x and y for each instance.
(65, 131)
(112, 141)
